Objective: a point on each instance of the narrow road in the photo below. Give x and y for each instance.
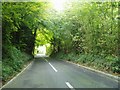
(51, 73)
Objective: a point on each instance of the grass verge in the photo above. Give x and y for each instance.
(108, 64)
(13, 62)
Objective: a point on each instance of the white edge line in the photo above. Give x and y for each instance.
(16, 76)
(52, 67)
(110, 75)
(68, 84)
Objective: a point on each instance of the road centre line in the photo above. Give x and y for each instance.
(53, 67)
(69, 85)
(45, 59)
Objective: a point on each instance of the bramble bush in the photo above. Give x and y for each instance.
(13, 62)
(106, 63)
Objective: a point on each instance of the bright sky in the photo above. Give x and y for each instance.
(42, 50)
(58, 5)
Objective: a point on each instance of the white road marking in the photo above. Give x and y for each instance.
(52, 67)
(45, 59)
(116, 78)
(16, 76)
(69, 85)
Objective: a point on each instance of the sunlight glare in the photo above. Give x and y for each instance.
(58, 5)
(42, 50)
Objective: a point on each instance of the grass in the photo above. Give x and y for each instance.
(108, 64)
(12, 63)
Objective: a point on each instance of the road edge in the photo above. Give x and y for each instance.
(17, 75)
(117, 78)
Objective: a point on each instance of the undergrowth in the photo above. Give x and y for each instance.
(105, 63)
(12, 62)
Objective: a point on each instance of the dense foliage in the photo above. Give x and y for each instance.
(44, 37)
(88, 30)
(85, 33)
(20, 22)
(13, 62)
